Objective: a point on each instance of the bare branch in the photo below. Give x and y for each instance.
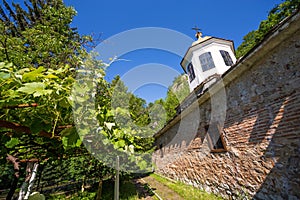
(15, 161)
(22, 129)
(26, 105)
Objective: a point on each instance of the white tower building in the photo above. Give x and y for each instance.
(208, 56)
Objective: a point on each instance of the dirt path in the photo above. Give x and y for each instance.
(160, 189)
(143, 190)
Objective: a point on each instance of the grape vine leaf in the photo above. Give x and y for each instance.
(4, 75)
(12, 142)
(70, 138)
(35, 88)
(33, 75)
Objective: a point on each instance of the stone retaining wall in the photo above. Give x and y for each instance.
(261, 130)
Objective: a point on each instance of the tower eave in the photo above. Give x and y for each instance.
(200, 43)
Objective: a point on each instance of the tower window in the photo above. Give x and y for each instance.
(190, 71)
(206, 61)
(226, 57)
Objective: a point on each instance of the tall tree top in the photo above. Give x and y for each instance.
(39, 34)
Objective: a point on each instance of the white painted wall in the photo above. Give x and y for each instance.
(220, 66)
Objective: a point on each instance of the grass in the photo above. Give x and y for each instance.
(76, 196)
(186, 191)
(127, 192)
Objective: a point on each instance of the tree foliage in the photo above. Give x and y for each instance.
(41, 57)
(39, 53)
(175, 95)
(276, 15)
(47, 81)
(40, 35)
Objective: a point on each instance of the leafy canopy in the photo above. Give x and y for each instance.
(276, 15)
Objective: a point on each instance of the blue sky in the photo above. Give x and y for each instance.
(231, 19)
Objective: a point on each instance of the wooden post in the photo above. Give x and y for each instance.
(117, 181)
(31, 181)
(99, 191)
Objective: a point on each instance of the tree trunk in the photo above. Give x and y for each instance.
(14, 184)
(99, 191)
(13, 188)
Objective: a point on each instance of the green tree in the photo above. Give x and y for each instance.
(276, 15)
(40, 35)
(170, 104)
(41, 101)
(175, 95)
(39, 53)
(132, 115)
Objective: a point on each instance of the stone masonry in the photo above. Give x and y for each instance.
(260, 126)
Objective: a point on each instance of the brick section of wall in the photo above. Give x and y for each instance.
(261, 130)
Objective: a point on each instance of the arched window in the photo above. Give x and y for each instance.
(226, 57)
(206, 61)
(190, 71)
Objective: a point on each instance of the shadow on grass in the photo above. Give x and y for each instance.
(73, 192)
(127, 190)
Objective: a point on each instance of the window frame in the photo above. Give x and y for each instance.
(226, 57)
(191, 72)
(206, 61)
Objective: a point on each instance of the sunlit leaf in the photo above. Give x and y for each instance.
(13, 142)
(4, 75)
(30, 88)
(42, 92)
(109, 125)
(120, 144)
(51, 76)
(33, 75)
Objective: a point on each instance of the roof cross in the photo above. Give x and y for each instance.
(198, 32)
(196, 29)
